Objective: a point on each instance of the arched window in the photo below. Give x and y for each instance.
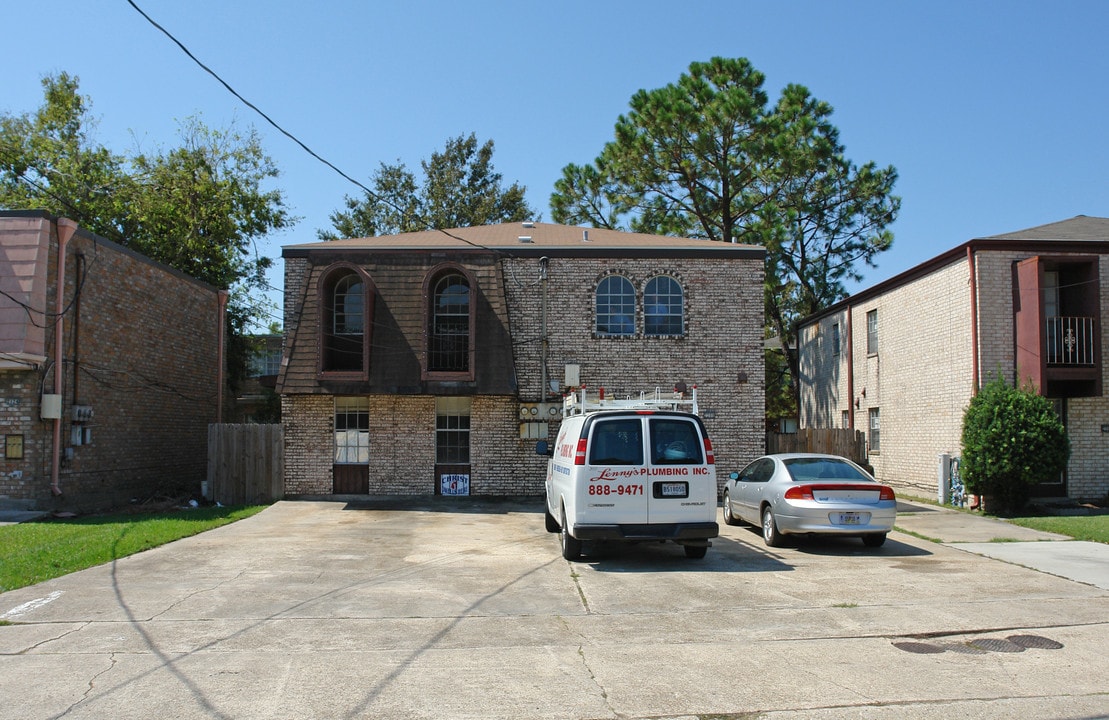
(615, 306)
(662, 307)
(343, 324)
(449, 336)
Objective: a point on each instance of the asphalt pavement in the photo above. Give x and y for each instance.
(464, 608)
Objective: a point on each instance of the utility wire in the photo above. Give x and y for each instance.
(370, 193)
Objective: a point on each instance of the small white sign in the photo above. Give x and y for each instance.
(454, 484)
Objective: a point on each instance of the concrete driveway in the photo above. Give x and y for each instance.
(436, 608)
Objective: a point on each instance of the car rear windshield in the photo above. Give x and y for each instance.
(675, 442)
(808, 469)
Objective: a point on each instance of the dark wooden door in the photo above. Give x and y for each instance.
(351, 479)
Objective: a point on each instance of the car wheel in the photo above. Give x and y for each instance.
(549, 521)
(770, 534)
(571, 546)
(696, 552)
(729, 519)
(874, 539)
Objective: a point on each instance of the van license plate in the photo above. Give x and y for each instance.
(673, 489)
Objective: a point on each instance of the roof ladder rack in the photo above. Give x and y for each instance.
(580, 403)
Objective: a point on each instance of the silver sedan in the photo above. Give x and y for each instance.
(803, 493)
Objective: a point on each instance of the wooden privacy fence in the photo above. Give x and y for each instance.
(847, 443)
(246, 463)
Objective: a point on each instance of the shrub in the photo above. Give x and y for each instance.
(1012, 440)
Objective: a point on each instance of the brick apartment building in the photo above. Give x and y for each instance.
(119, 408)
(431, 362)
(903, 359)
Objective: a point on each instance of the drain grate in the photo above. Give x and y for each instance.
(981, 646)
(996, 645)
(1035, 641)
(918, 647)
(964, 649)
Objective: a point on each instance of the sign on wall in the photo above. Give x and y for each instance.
(458, 484)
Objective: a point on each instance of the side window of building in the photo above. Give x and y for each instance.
(452, 430)
(835, 339)
(872, 332)
(343, 322)
(450, 324)
(615, 306)
(875, 430)
(663, 311)
(352, 430)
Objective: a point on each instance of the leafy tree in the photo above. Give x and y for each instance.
(460, 189)
(199, 208)
(709, 157)
(1012, 440)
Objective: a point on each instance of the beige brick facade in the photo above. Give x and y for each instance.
(921, 379)
(720, 352)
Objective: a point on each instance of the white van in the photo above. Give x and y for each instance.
(631, 471)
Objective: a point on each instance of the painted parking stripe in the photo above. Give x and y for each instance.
(31, 605)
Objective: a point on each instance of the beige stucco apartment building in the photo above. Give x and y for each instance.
(432, 362)
(901, 360)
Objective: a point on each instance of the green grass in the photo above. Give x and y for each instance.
(1094, 528)
(36, 551)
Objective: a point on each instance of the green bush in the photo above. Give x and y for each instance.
(1012, 440)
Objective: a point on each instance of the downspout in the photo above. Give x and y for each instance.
(973, 321)
(543, 331)
(66, 229)
(221, 318)
(850, 372)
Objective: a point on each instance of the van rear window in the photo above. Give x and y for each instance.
(675, 442)
(616, 442)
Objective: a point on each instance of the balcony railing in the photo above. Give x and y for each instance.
(1070, 341)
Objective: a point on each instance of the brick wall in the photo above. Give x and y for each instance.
(141, 349)
(921, 379)
(721, 352)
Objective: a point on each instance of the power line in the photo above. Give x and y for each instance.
(371, 194)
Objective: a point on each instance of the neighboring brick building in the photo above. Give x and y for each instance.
(122, 410)
(904, 358)
(432, 362)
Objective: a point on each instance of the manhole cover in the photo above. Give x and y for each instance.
(1035, 641)
(918, 647)
(996, 645)
(963, 648)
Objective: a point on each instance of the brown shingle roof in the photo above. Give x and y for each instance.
(508, 238)
(1081, 227)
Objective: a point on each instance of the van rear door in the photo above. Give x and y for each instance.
(615, 491)
(681, 480)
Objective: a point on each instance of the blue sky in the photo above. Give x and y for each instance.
(994, 113)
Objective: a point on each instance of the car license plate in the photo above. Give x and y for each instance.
(673, 489)
(850, 518)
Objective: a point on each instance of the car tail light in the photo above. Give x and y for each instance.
(887, 493)
(799, 492)
(579, 455)
(709, 457)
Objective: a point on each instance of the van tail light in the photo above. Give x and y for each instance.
(887, 493)
(709, 457)
(799, 492)
(579, 454)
